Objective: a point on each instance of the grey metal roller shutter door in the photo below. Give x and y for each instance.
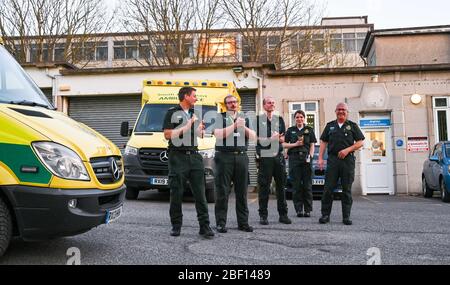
(248, 103)
(106, 113)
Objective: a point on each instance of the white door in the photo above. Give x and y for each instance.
(377, 163)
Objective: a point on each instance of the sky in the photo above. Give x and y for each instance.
(386, 14)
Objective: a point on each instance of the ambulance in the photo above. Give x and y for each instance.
(58, 177)
(145, 156)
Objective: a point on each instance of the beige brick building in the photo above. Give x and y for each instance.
(404, 64)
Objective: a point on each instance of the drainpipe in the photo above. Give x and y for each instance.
(260, 84)
(54, 86)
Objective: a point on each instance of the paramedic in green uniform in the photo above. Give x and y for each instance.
(181, 128)
(232, 134)
(343, 137)
(299, 142)
(270, 132)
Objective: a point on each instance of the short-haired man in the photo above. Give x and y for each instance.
(232, 134)
(181, 128)
(343, 137)
(270, 132)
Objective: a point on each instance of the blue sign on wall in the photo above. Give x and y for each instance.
(373, 123)
(399, 142)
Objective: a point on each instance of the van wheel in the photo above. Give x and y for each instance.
(444, 195)
(132, 193)
(210, 195)
(427, 191)
(5, 227)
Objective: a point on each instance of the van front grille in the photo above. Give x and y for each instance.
(154, 159)
(105, 170)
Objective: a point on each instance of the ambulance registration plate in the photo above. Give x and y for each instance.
(113, 215)
(159, 181)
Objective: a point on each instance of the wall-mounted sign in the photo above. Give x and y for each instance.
(399, 142)
(374, 123)
(418, 144)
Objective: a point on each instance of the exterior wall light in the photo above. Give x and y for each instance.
(416, 99)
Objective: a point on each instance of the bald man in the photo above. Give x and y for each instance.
(270, 131)
(342, 137)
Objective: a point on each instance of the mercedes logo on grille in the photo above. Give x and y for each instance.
(164, 157)
(115, 170)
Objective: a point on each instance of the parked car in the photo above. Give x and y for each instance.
(436, 172)
(318, 179)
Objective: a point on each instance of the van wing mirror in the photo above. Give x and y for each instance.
(124, 129)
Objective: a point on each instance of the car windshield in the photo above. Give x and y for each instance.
(16, 87)
(152, 116)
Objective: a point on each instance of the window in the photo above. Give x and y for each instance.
(18, 52)
(441, 118)
(440, 102)
(318, 43)
(125, 49)
(119, 50)
(294, 44)
(40, 53)
(311, 110)
(90, 51)
(160, 52)
(245, 50)
(272, 44)
(167, 49)
(336, 43)
(360, 38)
(349, 42)
(59, 52)
(442, 125)
(218, 47)
(101, 51)
(144, 50)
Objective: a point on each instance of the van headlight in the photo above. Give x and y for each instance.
(129, 150)
(61, 161)
(207, 153)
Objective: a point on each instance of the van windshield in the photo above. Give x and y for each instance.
(16, 87)
(152, 117)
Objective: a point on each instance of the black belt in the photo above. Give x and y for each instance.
(233, 152)
(184, 151)
(298, 151)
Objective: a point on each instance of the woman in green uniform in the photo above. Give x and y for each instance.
(299, 142)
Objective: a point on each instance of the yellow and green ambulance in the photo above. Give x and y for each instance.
(145, 157)
(58, 177)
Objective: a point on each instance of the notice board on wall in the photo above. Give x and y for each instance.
(418, 144)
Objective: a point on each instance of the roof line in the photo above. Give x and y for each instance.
(361, 70)
(113, 70)
(217, 31)
(400, 32)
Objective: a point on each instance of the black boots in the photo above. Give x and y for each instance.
(176, 231)
(324, 219)
(205, 231)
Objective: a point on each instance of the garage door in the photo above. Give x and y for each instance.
(106, 113)
(248, 103)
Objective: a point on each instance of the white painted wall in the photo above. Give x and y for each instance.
(131, 83)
